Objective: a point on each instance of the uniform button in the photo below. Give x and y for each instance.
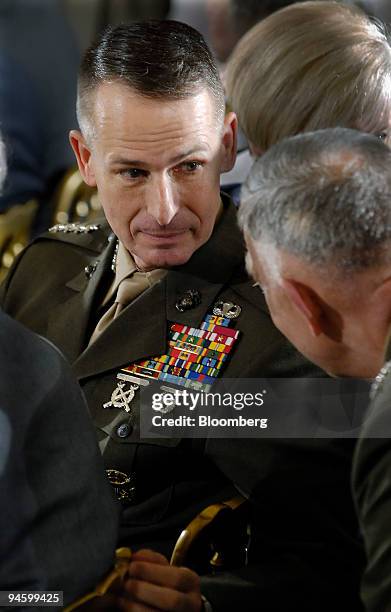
(124, 430)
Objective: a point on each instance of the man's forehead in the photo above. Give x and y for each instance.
(131, 127)
(115, 97)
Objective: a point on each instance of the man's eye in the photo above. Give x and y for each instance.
(133, 173)
(190, 166)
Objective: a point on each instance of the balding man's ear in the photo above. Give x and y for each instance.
(306, 301)
(229, 142)
(83, 157)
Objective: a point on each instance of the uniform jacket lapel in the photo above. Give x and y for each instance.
(139, 331)
(68, 321)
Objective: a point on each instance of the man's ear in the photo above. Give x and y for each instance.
(229, 142)
(308, 303)
(83, 157)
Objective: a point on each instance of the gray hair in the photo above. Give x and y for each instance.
(323, 196)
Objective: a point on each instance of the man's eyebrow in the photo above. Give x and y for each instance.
(201, 149)
(124, 161)
(136, 163)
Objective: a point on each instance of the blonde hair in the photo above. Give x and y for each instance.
(310, 66)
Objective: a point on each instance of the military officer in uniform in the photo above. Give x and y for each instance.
(121, 298)
(322, 256)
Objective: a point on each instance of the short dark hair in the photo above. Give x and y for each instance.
(323, 196)
(158, 59)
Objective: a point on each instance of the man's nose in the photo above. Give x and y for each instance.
(162, 202)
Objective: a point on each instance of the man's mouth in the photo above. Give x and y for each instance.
(163, 237)
(164, 233)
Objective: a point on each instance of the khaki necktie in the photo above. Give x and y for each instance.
(127, 290)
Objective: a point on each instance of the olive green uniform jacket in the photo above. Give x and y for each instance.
(303, 551)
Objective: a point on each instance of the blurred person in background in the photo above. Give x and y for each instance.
(39, 59)
(310, 66)
(301, 68)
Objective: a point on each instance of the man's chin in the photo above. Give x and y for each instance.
(161, 259)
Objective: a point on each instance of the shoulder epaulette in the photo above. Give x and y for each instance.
(75, 228)
(92, 236)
